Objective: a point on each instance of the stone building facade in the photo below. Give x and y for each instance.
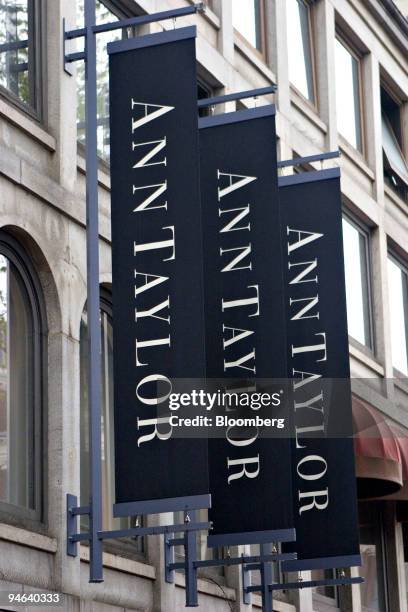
(341, 67)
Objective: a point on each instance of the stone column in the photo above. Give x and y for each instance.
(164, 594)
(324, 53)
(61, 93)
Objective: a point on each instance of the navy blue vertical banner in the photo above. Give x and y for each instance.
(157, 265)
(250, 475)
(324, 482)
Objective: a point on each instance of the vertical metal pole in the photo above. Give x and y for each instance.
(93, 303)
(266, 579)
(190, 552)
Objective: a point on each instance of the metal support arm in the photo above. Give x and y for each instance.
(190, 565)
(240, 95)
(136, 21)
(306, 584)
(298, 161)
(251, 563)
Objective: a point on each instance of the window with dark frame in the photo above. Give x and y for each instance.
(329, 592)
(300, 48)
(357, 273)
(104, 14)
(20, 52)
(348, 94)
(395, 163)
(107, 431)
(22, 324)
(248, 18)
(204, 91)
(373, 590)
(398, 302)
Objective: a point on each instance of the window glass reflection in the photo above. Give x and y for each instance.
(103, 15)
(326, 591)
(395, 164)
(16, 382)
(108, 477)
(299, 47)
(348, 95)
(357, 287)
(392, 149)
(15, 52)
(398, 296)
(107, 428)
(372, 590)
(246, 18)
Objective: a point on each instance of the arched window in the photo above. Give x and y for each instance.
(21, 333)
(107, 432)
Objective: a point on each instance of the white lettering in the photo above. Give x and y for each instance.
(309, 237)
(236, 337)
(231, 225)
(244, 302)
(243, 472)
(162, 244)
(159, 189)
(314, 504)
(313, 347)
(159, 145)
(149, 115)
(244, 251)
(233, 184)
(149, 343)
(238, 363)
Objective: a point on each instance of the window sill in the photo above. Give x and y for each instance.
(27, 538)
(103, 175)
(28, 125)
(208, 588)
(400, 376)
(278, 605)
(209, 15)
(355, 157)
(255, 57)
(401, 380)
(365, 359)
(307, 109)
(396, 199)
(324, 603)
(122, 564)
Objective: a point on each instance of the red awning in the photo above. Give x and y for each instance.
(381, 449)
(401, 496)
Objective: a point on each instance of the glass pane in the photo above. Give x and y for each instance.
(107, 432)
(15, 57)
(103, 15)
(16, 410)
(299, 48)
(246, 18)
(203, 91)
(369, 590)
(397, 291)
(357, 291)
(327, 591)
(348, 95)
(392, 149)
(372, 590)
(204, 552)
